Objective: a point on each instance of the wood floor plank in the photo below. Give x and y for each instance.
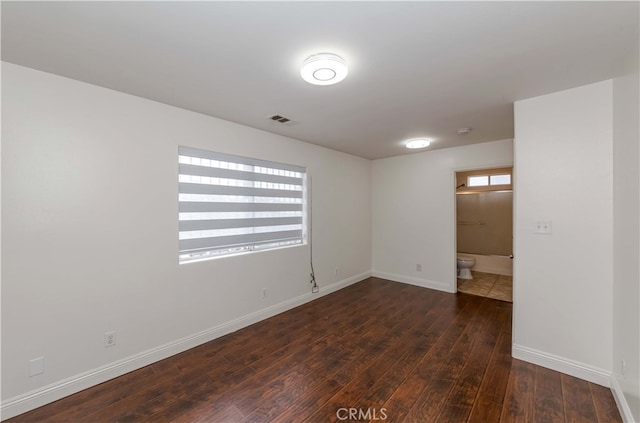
(146, 403)
(394, 345)
(451, 371)
(488, 404)
(578, 402)
(485, 410)
(377, 331)
(303, 408)
(76, 407)
(548, 403)
(446, 331)
(419, 355)
(461, 398)
(496, 375)
(548, 408)
(518, 403)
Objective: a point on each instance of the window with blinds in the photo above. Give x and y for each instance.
(230, 204)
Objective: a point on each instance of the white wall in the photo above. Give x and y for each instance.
(626, 241)
(563, 282)
(414, 211)
(89, 234)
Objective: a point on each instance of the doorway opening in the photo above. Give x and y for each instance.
(484, 232)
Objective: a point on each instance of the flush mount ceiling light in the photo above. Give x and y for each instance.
(324, 69)
(417, 143)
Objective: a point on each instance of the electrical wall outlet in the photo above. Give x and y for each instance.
(543, 227)
(36, 366)
(418, 268)
(109, 339)
(264, 292)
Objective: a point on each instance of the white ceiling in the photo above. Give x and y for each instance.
(416, 68)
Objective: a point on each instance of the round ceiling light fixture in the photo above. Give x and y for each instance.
(417, 143)
(324, 69)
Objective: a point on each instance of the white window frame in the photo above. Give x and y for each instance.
(231, 205)
(489, 180)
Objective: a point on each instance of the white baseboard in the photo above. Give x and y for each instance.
(324, 290)
(424, 283)
(562, 365)
(55, 391)
(621, 400)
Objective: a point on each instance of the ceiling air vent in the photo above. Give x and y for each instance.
(281, 119)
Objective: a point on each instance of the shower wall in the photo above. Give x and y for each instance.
(485, 223)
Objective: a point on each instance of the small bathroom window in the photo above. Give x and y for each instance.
(500, 179)
(484, 180)
(487, 180)
(478, 181)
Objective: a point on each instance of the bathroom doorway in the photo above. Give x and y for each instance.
(484, 232)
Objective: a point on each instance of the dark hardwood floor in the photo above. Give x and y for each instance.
(375, 351)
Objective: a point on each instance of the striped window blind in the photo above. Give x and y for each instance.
(231, 204)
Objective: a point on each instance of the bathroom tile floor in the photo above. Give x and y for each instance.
(498, 287)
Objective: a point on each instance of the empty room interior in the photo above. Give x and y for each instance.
(320, 211)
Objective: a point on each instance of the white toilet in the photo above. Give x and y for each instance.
(464, 267)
